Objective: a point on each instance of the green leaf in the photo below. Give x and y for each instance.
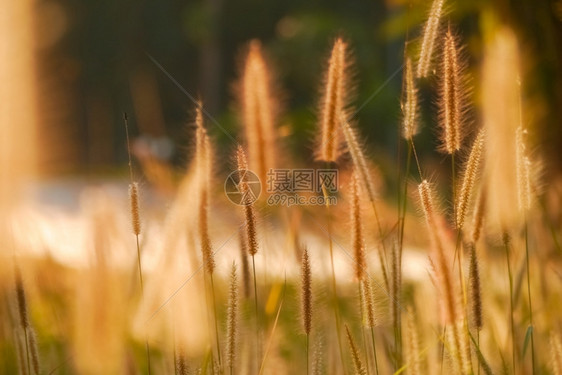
(485, 366)
(527, 337)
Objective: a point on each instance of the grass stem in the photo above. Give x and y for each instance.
(216, 321)
(526, 233)
(256, 311)
(510, 275)
(147, 347)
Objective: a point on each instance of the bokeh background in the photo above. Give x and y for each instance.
(93, 63)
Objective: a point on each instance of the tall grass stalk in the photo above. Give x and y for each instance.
(306, 300)
(135, 219)
(335, 300)
(357, 363)
(506, 243)
(251, 233)
(526, 234)
(203, 164)
(362, 171)
(232, 320)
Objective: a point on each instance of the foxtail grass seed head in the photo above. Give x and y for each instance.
(249, 213)
(358, 157)
(357, 363)
(22, 302)
(473, 167)
(500, 110)
(134, 202)
(232, 320)
(430, 31)
(182, 367)
(334, 103)
(368, 303)
(203, 161)
(478, 214)
(410, 103)
(357, 230)
(206, 248)
(203, 150)
(306, 292)
(474, 288)
(258, 107)
(426, 199)
(523, 171)
(450, 96)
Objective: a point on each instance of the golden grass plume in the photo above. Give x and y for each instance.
(203, 155)
(134, 206)
(452, 96)
(474, 289)
(473, 167)
(306, 292)
(249, 213)
(357, 241)
(430, 31)
(409, 104)
(357, 362)
(232, 319)
(334, 103)
(258, 107)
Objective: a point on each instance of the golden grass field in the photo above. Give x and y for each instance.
(458, 270)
